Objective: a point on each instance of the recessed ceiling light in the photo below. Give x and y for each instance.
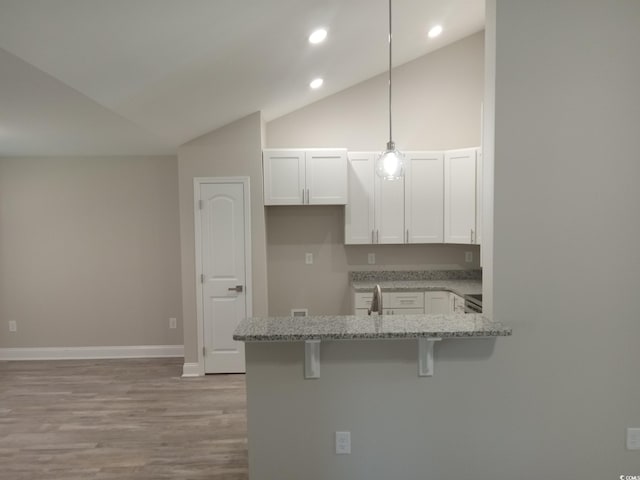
(316, 83)
(435, 31)
(318, 36)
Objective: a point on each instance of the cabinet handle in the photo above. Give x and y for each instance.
(303, 196)
(307, 196)
(472, 235)
(372, 240)
(377, 236)
(407, 236)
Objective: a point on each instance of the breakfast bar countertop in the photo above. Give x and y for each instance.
(351, 327)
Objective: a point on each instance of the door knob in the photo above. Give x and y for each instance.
(237, 288)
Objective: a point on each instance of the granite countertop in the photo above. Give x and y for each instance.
(350, 327)
(460, 287)
(461, 282)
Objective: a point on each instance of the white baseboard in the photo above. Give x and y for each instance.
(191, 370)
(91, 353)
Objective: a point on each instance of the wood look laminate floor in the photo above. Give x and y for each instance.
(120, 419)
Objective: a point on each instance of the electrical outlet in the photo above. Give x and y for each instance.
(308, 258)
(343, 443)
(468, 257)
(633, 438)
(173, 322)
(371, 259)
(13, 326)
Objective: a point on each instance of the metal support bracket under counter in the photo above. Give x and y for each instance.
(425, 357)
(312, 330)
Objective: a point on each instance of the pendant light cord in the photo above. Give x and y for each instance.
(390, 39)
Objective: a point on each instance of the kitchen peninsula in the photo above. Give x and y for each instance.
(372, 367)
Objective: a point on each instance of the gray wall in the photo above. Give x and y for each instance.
(89, 251)
(554, 400)
(233, 150)
(323, 287)
(437, 105)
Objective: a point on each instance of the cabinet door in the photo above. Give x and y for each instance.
(460, 196)
(424, 197)
(326, 177)
(437, 302)
(284, 177)
(479, 189)
(358, 216)
(362, 300)
(389, 210)
(457, 303)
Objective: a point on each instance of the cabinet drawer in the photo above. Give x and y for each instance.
(403, 311)
(403, 300)
(363, 300)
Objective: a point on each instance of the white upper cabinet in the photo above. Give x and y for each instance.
(326, 177)
(359, 227)
(389, 210)
(460, 195)
(424, 197)
(284, 177)
(374, 213)
(305, 177)
(437, 201)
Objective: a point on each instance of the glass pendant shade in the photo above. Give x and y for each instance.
(390, 163)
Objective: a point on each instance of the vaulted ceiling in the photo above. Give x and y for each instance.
(136, 77)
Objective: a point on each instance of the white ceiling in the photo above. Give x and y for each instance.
(134, 77)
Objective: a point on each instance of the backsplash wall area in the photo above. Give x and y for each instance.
(323, 287)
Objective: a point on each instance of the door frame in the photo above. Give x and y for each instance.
(197, 182)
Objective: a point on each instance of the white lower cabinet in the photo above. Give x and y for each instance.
(394, 303)
(403, 311)
(400, 303)
(437, 302)
(457, 303)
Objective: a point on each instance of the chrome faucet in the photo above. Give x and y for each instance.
(376, 301)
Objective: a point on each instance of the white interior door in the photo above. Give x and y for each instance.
(224, 293)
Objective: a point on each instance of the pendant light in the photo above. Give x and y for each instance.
(390, 163)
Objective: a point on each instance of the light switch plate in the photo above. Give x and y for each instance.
(633, 438)
(13, 326)
(468, 257)
(343, 443)
(308, 258)
(173, 322)
(371, 258)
